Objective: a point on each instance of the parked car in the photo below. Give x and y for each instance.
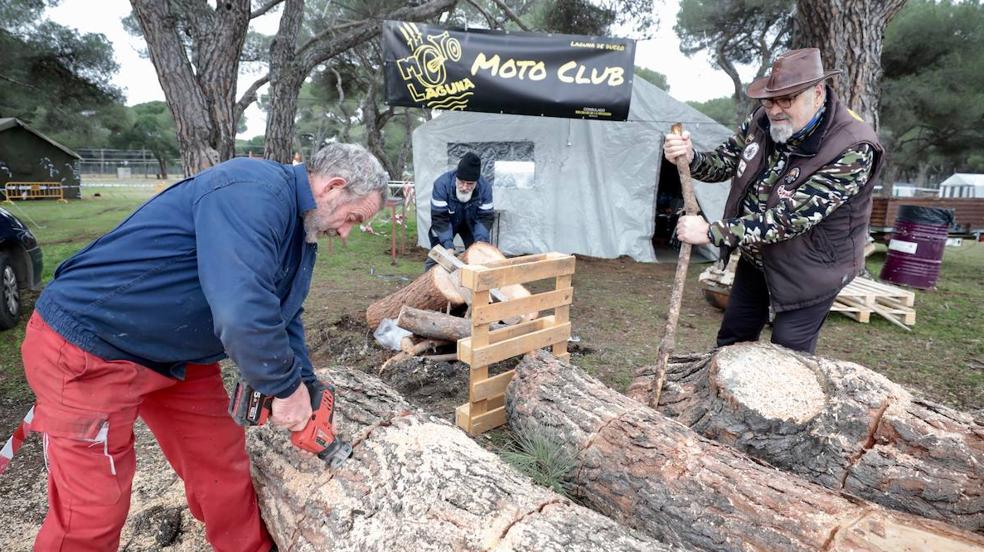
(21, 265)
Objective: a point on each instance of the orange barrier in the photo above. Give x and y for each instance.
(23, 191)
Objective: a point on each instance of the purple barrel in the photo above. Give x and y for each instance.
(916, 250)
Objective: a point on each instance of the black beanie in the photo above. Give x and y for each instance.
(469, 168)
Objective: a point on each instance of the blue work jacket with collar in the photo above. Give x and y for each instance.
(449, 216)
(216, 265)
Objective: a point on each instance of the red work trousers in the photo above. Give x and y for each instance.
(86, 407)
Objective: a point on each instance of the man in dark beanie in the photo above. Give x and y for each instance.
(802, 168)
(461, 204)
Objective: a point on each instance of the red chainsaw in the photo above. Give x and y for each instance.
(249, 407)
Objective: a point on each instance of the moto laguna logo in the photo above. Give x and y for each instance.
(424, 71)
(507, 72)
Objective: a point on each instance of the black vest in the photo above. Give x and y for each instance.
(814, 266)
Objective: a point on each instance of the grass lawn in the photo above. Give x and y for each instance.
(618, 312)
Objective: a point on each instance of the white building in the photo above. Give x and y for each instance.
(963, 185)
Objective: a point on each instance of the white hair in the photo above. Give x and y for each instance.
(363, 173)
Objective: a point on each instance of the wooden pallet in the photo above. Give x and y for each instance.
(864, 297)
(485, 408)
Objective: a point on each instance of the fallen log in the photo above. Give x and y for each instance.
(436, 325)
(835, 423)
(432, 290)
(657, 475)
(414, 482)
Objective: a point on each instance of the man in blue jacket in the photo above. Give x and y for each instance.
(461, 204)
(134, 325)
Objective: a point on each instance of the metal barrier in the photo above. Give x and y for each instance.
(23, 191)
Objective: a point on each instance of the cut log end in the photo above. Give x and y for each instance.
(769, 381)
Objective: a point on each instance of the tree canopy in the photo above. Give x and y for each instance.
(55, 78)
(736, 32)
(933, 90)
(654, 77)
(152, 128)
(721, 110)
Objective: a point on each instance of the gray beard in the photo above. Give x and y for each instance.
(464, 197)
(311, 227)
(781, 133)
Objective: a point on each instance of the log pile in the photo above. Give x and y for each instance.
(657, 475)
(435, 289)
(834, 423)
(423, 308)
(414, 482)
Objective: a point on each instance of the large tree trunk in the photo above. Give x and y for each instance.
(835, 423)
(193, 92)
(414, 482)
(849, 35)
(286, 78)
(432, 290)
(200, 92)
(657, 475)
(374, 122)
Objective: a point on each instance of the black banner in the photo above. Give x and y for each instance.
(580, 77)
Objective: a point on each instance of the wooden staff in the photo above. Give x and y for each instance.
(679, 279)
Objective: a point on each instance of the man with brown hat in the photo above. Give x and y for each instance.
(802, 167)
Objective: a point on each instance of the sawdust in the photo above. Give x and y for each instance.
(159, 518)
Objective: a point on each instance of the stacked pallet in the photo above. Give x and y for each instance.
(858, 300)
(863, 296)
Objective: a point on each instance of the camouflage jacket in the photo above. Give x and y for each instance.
(826, 190)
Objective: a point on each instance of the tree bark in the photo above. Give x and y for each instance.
(849, 36)
(432, 290)
(834, 423)
(201, 91)
(435, 325)
(374, 121)
(286, 78)
(414, 482)
(655, 474)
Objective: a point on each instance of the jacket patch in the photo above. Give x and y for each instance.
(741, 168)
(750, 151)
(792, 176)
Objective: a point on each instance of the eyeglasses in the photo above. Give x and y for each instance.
(783, 102)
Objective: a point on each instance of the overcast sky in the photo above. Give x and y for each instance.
(689, 78)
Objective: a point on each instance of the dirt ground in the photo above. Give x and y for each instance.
(617, 316)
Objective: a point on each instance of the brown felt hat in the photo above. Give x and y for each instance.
(792, 72)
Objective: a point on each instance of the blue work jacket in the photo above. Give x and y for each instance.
(472, 220)
(215, 265)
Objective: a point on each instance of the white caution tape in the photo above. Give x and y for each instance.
(13, 444)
